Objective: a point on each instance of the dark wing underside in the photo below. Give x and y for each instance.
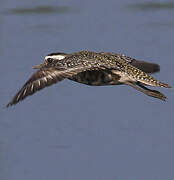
(145, 66)
(41, 79)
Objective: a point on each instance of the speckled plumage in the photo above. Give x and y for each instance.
(118, 64)
(92, 68)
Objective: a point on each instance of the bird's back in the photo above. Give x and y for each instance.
(118, 64)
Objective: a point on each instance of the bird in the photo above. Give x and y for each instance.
(94, 69)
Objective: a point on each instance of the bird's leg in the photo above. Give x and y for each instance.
(145, 90)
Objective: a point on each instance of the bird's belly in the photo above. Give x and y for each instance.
(123, 76)
(96, 78)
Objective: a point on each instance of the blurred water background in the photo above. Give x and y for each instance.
(75, 132)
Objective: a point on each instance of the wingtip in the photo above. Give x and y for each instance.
(147, 67)
(156, 67)
(153, 68)
(164, 98)
(8, 105)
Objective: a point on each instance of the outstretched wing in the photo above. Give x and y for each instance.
(43, 78)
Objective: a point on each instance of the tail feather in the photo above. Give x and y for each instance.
(163, 85)
(150, 81)
(143, 77)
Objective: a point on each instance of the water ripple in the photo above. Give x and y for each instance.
(152, 6)
(40, 10)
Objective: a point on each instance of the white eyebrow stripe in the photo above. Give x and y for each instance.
(58, 57)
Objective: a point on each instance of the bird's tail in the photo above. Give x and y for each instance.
(143, 77)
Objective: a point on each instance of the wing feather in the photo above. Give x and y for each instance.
(43, 78)
(147, 67)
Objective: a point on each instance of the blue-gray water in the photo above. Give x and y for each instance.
(71, 131)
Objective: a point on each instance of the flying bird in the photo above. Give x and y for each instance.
(92, 68)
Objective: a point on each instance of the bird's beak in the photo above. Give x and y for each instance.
(38, 66)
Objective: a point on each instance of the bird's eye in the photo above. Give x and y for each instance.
(49, 60)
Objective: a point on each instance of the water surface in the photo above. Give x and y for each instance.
(72, 131)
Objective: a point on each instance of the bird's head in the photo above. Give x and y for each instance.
(50, 59)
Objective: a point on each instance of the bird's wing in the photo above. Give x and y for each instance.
(43, 78)
(147, 67)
